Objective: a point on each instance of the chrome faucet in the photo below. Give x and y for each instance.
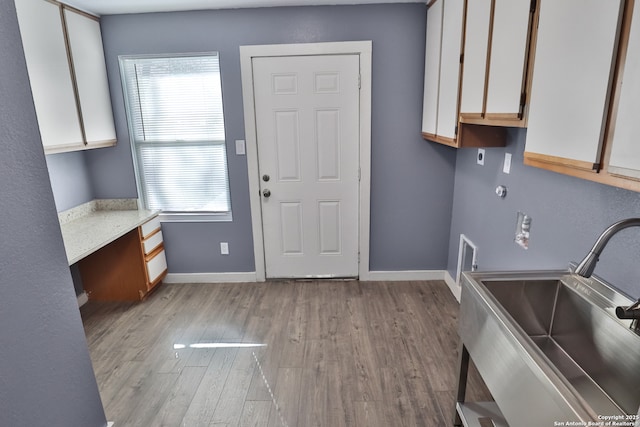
(588, 264)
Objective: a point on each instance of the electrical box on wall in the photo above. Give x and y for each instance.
(523, 230)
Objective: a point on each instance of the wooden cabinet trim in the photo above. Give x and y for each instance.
(544, 159)
(473, 119)
(154, 252)
(502, 116)
(440, 139)
(599, 177)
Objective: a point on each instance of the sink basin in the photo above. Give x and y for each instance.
(548, 344)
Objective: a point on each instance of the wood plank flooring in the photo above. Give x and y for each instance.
(336, 353)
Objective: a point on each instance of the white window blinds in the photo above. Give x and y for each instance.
(176, 124)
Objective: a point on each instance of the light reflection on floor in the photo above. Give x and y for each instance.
(218, 345)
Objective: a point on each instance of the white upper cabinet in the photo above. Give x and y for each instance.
(476, 48)
(65, 62)
(496, 48)
(625, 149)
(442, 71)
(509, 47)
(50, 76)
(85, 42)
(572, 74)
(442, 80)
(450, 68)
(432, 69)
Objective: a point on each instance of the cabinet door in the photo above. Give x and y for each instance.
(625, 150)
(432, 68)
(509, 45)
(450, 68)
(575, 52)
(85, 42)
(476, 49)
(50, 75)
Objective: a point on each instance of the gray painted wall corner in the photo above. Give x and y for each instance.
(70, 179)
(46, 373)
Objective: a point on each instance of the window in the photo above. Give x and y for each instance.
(176, 125)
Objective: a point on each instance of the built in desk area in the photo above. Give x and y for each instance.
(117, 248)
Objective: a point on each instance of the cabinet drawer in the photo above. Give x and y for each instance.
(152, 242)
(150, 226)
(156, 266)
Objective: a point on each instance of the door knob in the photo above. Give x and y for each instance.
(266, 178)
(266, 193)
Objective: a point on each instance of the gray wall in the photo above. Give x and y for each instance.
(568, 214)
(70, 179)
(46, 378)
(412, 180)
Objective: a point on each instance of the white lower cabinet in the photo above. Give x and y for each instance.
(156, 266)
(153, 252)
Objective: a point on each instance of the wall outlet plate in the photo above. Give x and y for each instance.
(224, 248)
(240, 147)
(480, 157)
(506, 167)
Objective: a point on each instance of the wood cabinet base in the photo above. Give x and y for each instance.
(471, 135)
(117, 271)
(481, 136)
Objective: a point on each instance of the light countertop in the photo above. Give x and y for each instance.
(91, 226)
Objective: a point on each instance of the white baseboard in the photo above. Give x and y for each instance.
(210, 277)
(372, 276)
(455, 288)
(405, 275)
(110, 423)
(82, 299)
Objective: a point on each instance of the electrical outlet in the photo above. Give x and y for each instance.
(506, 167)
(480, 158)
(224, 248)
(240, 147)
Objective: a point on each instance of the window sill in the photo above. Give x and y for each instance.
(196, 217)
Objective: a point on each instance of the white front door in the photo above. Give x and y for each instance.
(307, 124)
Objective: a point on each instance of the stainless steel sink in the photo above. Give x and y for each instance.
(550, 347)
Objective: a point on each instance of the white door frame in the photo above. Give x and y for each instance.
(361, 48)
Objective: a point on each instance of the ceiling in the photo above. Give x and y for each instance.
(114, 7)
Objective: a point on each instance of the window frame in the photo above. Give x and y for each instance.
(172, 216)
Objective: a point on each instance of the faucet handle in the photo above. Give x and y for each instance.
(631, 312)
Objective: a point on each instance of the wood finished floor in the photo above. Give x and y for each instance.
(337, 354)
